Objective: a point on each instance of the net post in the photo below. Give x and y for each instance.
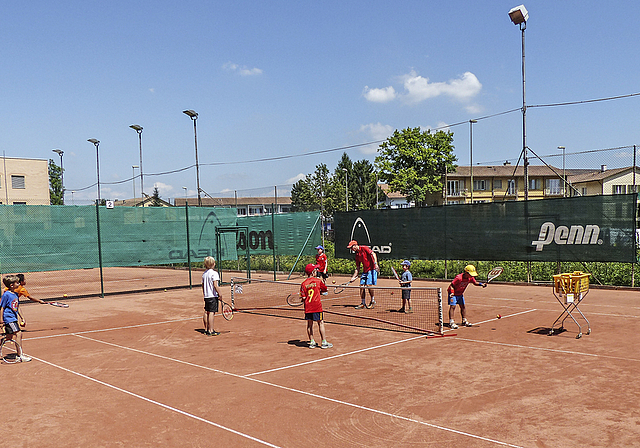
(233, 301)
(440, 313)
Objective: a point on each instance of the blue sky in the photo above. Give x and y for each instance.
(285, 78)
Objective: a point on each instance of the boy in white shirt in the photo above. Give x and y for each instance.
(211, 292)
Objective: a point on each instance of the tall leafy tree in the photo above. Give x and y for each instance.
(314, 192)
(56, 193)
(414, 162)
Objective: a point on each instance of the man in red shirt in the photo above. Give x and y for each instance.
(311, 291)
(455, 294)
(369, 273)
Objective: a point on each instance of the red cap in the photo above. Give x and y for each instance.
(309, 268)
(351, 244)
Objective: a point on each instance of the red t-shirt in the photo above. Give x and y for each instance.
(311, 290)
(321, 262)
(459, 284)
(364, 255)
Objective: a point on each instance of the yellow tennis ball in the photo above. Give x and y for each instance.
(333, 281)
(64, 295)
(165, 290)
(499, 316)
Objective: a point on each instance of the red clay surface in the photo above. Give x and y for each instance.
(134, 370)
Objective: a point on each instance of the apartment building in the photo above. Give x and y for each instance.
(24, 181)
(244, 206)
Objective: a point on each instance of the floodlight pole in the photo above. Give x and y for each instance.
(96, 143)
(564, 174)
(60, 153)
(194, 116)
(138, 129)
(471, 122)
(133, 179)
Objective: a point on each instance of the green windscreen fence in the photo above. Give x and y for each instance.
(130, 248)
(590, 228)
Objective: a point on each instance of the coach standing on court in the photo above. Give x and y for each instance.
(369, 276)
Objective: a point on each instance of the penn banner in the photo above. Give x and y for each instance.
(588, 228)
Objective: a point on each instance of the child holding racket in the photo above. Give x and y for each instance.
(311, 291)
(455, 294)
(9, 314)
(321, 263)
(405, 282)
(22, 291)
(211, 292)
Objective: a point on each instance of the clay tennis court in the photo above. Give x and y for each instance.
(135, 370)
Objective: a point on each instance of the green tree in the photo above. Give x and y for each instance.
(414, 162)
(56, 193)
(155, 198)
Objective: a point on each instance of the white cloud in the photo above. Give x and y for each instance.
(418, 89)
(383, 95)
(242, 70)
(295, 179)
(152, 90)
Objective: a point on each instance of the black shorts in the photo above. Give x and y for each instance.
(323, 275)
(211, 304)
(11, 327)
(316, 317)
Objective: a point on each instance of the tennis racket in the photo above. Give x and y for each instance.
(61, 305)
(494, 273)
(338, 289)
(227, 310)
(294, 300)
(9, 350)
(395, 274)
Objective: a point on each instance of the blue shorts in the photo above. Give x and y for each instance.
(456, 300)
(316, 317)
(369, 277)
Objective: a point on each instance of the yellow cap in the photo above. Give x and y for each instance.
(471, 270)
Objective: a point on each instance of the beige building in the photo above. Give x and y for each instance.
(24, 181)
(244, 206)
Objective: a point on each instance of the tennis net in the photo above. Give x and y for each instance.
(270, 298)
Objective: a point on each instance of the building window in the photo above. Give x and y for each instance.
(497, 184)
(285, 209)
(453, 188)
(17, 182)
(255, 210)
(242, 211)
(584, 191)
(535, 184)
(632, 188)
(479, 185)
(553, 186)
(618, 189)
(511, 186)
(19, 203)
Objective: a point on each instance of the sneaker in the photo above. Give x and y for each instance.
(401, 310)
(24, 358)
(361, 306)
(372, 304)
(409, 311)
(466, 323)
(326, 344)
(313, 344)
(214, 333)
(207, 333)
(453, 325)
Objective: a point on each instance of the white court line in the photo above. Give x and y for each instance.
(289, 389)
(334, 357)
(75, 333)
(157, 403)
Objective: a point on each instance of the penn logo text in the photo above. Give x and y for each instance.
(563, 235)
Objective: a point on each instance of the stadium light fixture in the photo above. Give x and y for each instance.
(519, 16)
(96, 143)
(60, 152)
(194, 116)
(138, 129)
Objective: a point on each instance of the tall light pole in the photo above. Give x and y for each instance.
(72, 201)
(519, 16)
(60, 152)
(138, 129)
(564, 174)
(185, 194)
(471, 122)
(194, 117)
(133, 179)
(96, 143)
(346, 188)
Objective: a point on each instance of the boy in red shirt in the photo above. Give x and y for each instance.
(455, 294)
(321, 264)
(310, 291)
